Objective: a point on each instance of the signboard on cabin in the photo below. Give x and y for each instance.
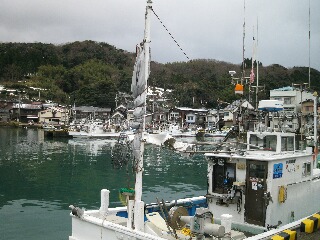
(277, 170)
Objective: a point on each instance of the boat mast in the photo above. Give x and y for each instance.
(139, 140)
(315, 133)
(257, 87)
(252, 75)
(243, 38)
(309, 44)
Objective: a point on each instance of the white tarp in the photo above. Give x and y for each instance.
(140, 100)
(138, 112)
(137, 146)
(139, 77)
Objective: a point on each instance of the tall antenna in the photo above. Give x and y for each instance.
(244, 33)
(252, 76)
(309, 44)
(257, 65)
(257, 87)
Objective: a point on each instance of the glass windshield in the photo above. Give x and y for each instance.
(287, 143)
(268, 142)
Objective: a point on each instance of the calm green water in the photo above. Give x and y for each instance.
(40, 178)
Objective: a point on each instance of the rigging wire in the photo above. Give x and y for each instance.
(170, 34)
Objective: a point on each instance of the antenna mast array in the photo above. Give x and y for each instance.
(309, 43)
(240, 82)
(243, 37)
(256, 53)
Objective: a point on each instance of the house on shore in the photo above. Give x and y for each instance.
(90, 112)
(54, 115)
(185, 116)
(232, 117)
(24, 113)
(293, 99)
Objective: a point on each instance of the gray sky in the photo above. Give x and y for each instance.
(206, 29)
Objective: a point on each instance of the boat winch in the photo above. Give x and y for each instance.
(201, 223)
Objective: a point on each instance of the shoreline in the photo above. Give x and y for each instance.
(27, 125)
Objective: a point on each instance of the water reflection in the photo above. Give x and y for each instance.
(92, 147)
(44, 176)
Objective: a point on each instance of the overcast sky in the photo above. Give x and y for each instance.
(205, 29)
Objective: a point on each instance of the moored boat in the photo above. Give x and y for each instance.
(96, 129)
(256, 188)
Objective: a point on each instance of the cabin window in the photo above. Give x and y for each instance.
(223, 175)
(256, 141)
(306, 169)
(287, 143)
(268, 142)
(257, 171)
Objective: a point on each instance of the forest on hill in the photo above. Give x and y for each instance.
(92, 73)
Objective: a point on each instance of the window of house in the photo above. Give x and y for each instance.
(288, 109)
(226, 114)
(286, 100)
(190, 118)
(308, 108)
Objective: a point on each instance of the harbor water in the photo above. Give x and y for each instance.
(40, 178)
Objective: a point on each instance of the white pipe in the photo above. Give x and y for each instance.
(130, 213)
(104, 201)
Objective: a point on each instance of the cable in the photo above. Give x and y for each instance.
(170, 34)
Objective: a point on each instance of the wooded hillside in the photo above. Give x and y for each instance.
(91, 73)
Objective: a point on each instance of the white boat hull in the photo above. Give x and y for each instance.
(95, 224)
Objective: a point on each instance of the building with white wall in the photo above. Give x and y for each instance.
(293, 99)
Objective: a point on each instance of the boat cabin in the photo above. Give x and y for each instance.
(271, 141)
(264, 183)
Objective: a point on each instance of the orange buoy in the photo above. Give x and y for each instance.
(238, 89)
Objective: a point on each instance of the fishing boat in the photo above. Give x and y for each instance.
(96, 129)
(264, 182)
(217, 133)
(256, 189)
(174, 130)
